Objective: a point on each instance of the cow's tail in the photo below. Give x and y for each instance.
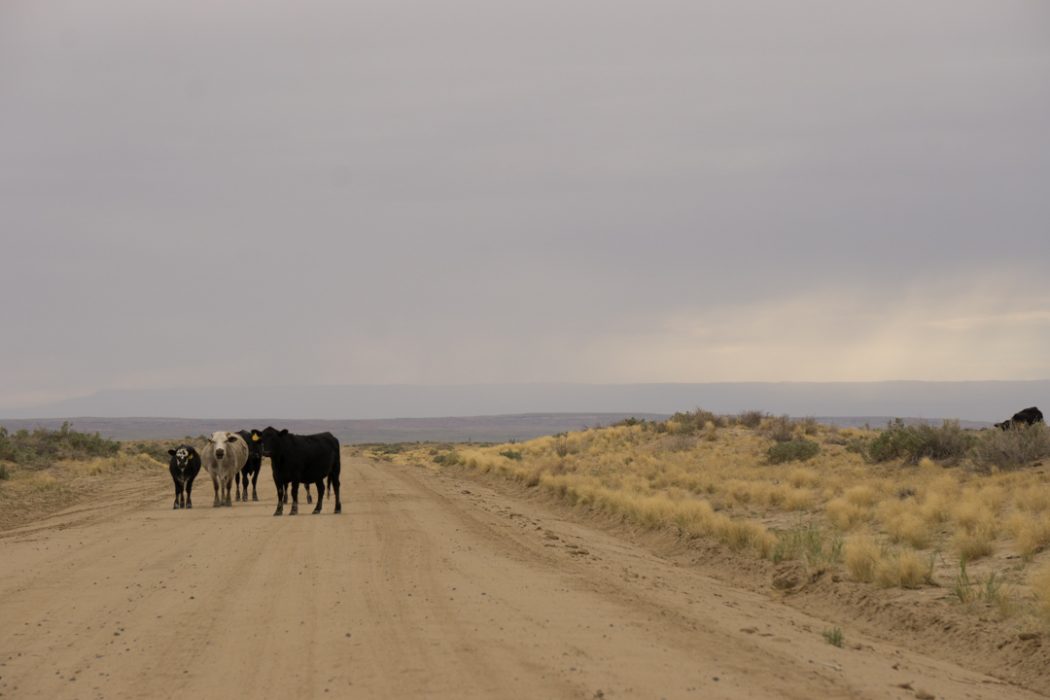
(336, 468)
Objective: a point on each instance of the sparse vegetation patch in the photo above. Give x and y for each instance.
(792, 451)
(41, 446)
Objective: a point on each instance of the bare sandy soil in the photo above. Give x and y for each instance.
(425, 586)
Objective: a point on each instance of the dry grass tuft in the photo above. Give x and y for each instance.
(1031, 534)
(845, 515)
(904, 569)
(862, 556)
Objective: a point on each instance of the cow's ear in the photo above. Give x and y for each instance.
(171, 452)
(284, 431)
(255, 436)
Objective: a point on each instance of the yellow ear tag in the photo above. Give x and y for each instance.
(255, 437)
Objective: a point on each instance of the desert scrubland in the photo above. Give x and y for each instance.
(934, 533)
(679, 559)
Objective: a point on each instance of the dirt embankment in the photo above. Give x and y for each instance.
(427, 585)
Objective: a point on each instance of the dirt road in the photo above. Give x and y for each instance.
(423, 587)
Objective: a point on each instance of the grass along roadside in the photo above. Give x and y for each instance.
(909, 521)
(56, 469)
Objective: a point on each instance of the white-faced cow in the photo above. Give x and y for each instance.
(184, 465)
(224, 456)
(251, 467)
(301, 459)
(1023, 418)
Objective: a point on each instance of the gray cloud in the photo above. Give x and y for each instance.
(464, 191)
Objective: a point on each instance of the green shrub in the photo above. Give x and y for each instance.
(913, 442)
(794, 450)
(809, 544)
(43, 446)
(449, 459)
(512, 454)
(833, 636)
(693, 421)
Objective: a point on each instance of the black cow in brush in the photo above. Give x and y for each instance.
(184, 465)
(301, 459)
(251, 468)
(1029, 416)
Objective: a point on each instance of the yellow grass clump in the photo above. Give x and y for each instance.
(905, 568)
(1031, 533)
(846, 515)
(862, 556)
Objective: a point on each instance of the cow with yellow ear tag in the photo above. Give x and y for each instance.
(250, 471)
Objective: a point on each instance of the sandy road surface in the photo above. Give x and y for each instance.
(424, 587)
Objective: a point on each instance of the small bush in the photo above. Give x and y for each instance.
(913, 442)
(512, 454)
(448, 459)
(809, 426)
(990, 590)
(750, 419)
(833, 637)
(779, 429)
(693, 421)
(1013, 447)
(808, 544)
(795, 450)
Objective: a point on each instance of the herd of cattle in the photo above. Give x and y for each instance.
(230, 457)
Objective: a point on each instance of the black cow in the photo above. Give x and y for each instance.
(1029, 416)
(251, 467)
(184, 465)
(301, 459)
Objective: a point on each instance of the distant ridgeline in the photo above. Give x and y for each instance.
(455, 429)
(872, 402)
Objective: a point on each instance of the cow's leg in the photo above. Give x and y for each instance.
(295, 499)
(333, 483)
(320, 495)
(215, 485)
(280, 499)
(189, 487)
(178, 492)
(228, 487)
(255, 480)
(237, 479)
(309, 498)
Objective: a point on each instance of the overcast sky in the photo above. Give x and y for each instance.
(252, 192)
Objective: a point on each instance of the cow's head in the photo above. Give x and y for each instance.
(181, 456)
(219, 441)
(254, 444)
(267, 438)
